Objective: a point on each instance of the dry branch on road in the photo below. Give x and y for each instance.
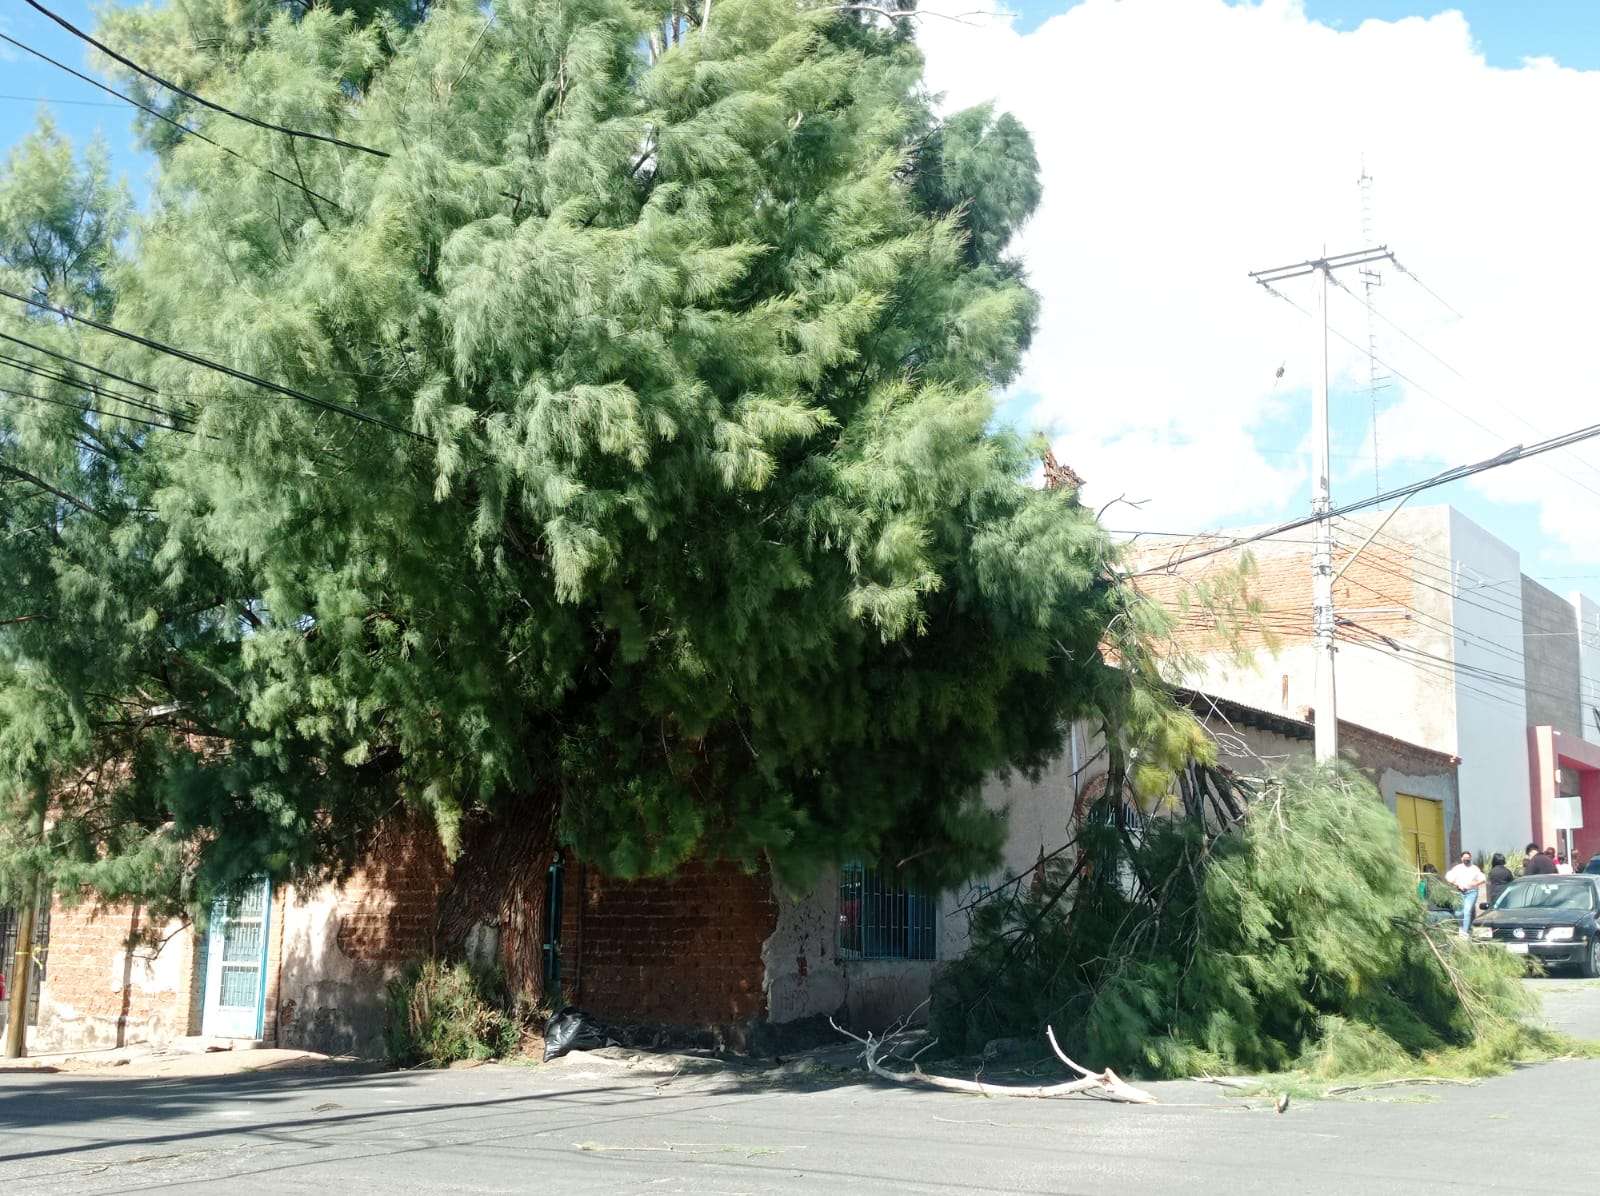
(1103, 1085)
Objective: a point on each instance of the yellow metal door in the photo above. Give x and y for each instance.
(1421, 830)
(1406, 812)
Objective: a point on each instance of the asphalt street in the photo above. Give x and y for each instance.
(595, 1124)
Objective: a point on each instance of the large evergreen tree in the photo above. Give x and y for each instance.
(676, 523)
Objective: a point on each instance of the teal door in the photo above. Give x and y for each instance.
(236, 964)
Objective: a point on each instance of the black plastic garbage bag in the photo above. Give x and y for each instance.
(571, 1030)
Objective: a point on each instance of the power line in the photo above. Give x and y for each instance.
(1438, 674)
(24, 394)
(1460, 472)
(1423, 573)
(227, 370)
(54, 100)
(1444, 626)
(161, 116)
(1373, 311)
(199, 99)
(1196, 535)
(66, 380)
(1527, 423)
(83, 365)
(1445, 576)
(1440, 299)
(1510, 653)
(1419, 387)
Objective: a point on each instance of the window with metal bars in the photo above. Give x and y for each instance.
(880, 919)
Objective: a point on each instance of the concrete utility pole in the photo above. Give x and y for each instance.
(1322, 618)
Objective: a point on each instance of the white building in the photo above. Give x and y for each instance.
(1442, 641)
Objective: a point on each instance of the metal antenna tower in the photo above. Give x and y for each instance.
(1371, 280)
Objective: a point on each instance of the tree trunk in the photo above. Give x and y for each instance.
(501, 880)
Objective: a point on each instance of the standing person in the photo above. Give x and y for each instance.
(1468, 878)
(1562, 867)
(1425, 881)
(1499, 877)
(1538, 864)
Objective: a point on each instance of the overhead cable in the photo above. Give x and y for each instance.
(82, 365)
(199, 99)
(218, 367)
(182, 128)
(1460, 472)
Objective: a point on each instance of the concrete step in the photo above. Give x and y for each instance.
(201, 1044)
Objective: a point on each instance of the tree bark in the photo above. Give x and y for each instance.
(501, 879)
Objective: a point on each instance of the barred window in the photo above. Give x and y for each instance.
(880, 919)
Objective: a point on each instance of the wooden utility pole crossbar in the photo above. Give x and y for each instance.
(1326, 709)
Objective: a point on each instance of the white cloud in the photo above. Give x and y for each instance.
(1186, 142)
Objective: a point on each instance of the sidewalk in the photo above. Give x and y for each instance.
(184, 1057)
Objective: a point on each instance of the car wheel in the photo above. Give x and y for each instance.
(1590, 967)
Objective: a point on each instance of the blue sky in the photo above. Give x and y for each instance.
(1449, 113)
(77, 108)
(1507, 30)
(1504, 32)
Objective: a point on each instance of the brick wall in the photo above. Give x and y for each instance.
(681, 951)
(97, 993)
(1384, 575)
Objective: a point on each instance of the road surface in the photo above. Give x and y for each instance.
(598, 1125)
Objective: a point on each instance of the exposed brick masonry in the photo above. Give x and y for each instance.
(97, 993)
(1386, 574)
(679, 951)
(388, 909)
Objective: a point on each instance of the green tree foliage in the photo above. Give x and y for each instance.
(441, 1013)
(1292, 938)
(694, 537)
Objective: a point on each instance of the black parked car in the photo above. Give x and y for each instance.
(1548, 918)
(1593, 866)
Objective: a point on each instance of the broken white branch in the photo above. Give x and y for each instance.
(1115, 1086)
(909, 14)
(1104, 1085)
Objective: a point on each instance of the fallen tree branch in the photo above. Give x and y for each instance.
(1398, 1081)
(1104, 1085)
(1116, 1087)
(1229, 1082)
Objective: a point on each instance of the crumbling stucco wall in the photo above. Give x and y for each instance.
(98, 994)
(806, 978)
(342, 944)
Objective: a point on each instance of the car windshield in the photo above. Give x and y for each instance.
(1549, 893)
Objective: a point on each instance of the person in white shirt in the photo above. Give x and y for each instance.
(1469, 879)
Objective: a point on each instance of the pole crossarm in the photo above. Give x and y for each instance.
(1337, 261)
(1324, 620)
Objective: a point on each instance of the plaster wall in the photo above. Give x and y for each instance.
(1587, 618)
(1491, 715)
(804, 974)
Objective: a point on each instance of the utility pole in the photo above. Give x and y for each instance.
(22, 975)
(1326, 710)
(22, 965)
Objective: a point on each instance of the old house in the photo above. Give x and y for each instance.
(715, 949)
